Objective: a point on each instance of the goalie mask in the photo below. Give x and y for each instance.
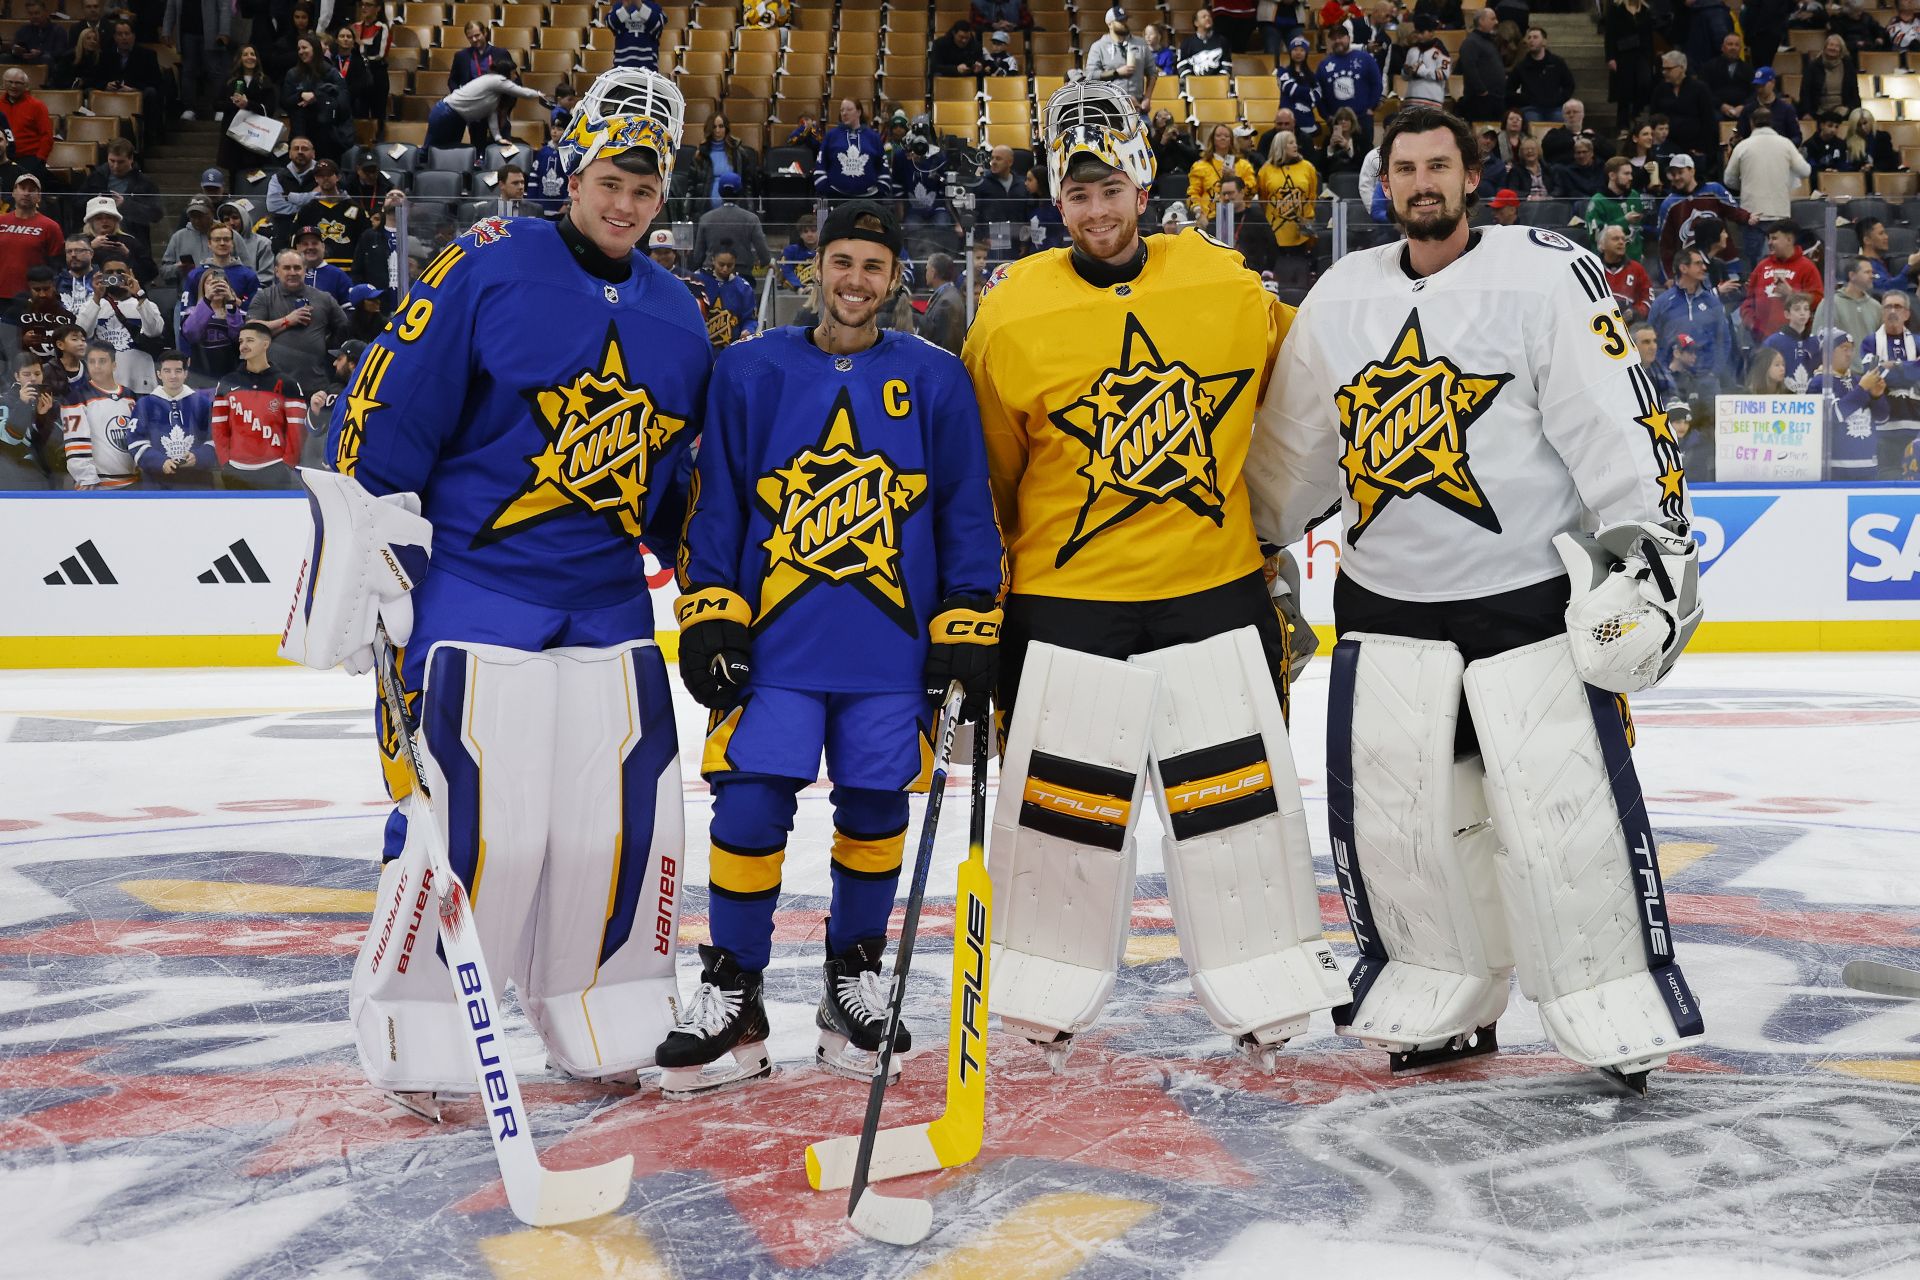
(1096, 118)
(624, 110)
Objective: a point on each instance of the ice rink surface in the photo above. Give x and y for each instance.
(186, 868)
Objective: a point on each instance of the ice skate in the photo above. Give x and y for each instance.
(1472, 1044)
(853, 1014)
(422, 1103)
(725, 1016)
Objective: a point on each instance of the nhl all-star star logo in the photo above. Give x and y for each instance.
(490, 230)
(837, 510)
(1148, 426)
(1405, 421)
(602, 432)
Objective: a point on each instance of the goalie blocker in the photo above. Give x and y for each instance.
(1239, 871)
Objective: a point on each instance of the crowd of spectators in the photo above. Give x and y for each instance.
(272, 293)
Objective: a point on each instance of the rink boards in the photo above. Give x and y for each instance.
(152, 579)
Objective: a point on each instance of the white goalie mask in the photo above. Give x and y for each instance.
(625, 109)
(1096, 118)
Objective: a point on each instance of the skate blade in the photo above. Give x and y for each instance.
(1263, 1056)
(841, 1057)
(748, 1063)
(424, 1105)
(1474, 1044)
(1634, 1082)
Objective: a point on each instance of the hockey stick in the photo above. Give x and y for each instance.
(1879, 979)
(898, 1220)
(539, 1197)
(955, 1137)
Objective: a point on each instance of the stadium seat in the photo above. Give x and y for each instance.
(60, 102)
(702, 88)
(1009, 135)
(569, 15)
(439, 184)
(94, 128)
(73, 155)
(755, 40)
(1897, 186)
(450, 159)
(1835, 183)
(703, 62)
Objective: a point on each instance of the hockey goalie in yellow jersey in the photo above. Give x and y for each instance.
(1117, 383)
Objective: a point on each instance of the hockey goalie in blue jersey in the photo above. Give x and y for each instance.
(522, 418)
(841, 566)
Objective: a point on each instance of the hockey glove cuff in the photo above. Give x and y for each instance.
(966, 647)
(367, 554)
(716, 646)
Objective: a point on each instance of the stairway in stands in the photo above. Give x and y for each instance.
(1574, 37)
(176, 165)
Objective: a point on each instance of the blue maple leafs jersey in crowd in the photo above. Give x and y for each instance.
(843, 497)
(539, 412)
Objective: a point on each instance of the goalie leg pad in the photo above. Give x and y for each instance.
(487, 715)
(599, 982)
(1239, 868)
(1412, 848)
(1061, 854)
(1580, 874)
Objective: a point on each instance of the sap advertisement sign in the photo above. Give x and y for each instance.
(1883, 546)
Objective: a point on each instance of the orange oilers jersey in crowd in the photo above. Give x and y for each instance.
(1117, 419)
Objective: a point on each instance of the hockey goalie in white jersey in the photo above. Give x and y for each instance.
(1516, 533)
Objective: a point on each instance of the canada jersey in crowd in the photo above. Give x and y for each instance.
(841, 497)
(1117, 419)
(538, 409)
(1473, 414)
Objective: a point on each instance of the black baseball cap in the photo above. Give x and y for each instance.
(351, 349)
(843, 224)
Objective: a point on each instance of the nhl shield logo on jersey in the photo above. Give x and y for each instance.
(1405, 422)
(602, 433)
(1148, 426)
(837, 512)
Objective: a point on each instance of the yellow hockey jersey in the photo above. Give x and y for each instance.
(1118, 419)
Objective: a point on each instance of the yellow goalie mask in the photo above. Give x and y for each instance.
(624, 110)
(1097, 119)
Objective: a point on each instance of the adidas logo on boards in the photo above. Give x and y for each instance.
(240, 566)
(84, 568)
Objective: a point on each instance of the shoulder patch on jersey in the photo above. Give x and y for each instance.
(999, 274)
(489, 231)
(1209, 237)
(1550, 239)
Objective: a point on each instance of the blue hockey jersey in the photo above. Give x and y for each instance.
(533, 407)
(1802, 354)
(1852, 451)
(166, 429)
(843, 498)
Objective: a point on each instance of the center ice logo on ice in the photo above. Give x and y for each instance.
(1148, 425)
(602, 433)
(837, 512)
(1405, 420)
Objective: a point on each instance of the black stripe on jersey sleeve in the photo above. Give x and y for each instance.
(1588, 273)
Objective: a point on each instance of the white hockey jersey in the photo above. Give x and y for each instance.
(97, 427)
(1462, 420)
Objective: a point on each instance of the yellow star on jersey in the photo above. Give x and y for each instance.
(362, 401)
(1657, 425)
(1405, 419)
(1147, 424)
(602, 433)
(838, 511)
(1673, 482)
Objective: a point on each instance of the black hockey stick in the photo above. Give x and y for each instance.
(898, 1220)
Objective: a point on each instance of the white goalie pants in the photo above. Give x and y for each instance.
(555, 778)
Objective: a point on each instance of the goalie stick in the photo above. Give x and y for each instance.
(898, 1220)
(539, 1197)
(1882, 979)
(955, 1136)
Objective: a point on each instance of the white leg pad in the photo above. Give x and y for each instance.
(1061, 854)
(599, 982)
(1412, 848)
(1579, 875)
(488, 720)
(1239, 867)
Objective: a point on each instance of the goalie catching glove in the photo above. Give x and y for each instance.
(1635, 602)
(966, 647)
(367, 555)
(716, 646)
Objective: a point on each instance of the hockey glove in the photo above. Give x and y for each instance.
(966, 647)
(368, 553)
(1283, 584)
(1635, 602)
(716, 647)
